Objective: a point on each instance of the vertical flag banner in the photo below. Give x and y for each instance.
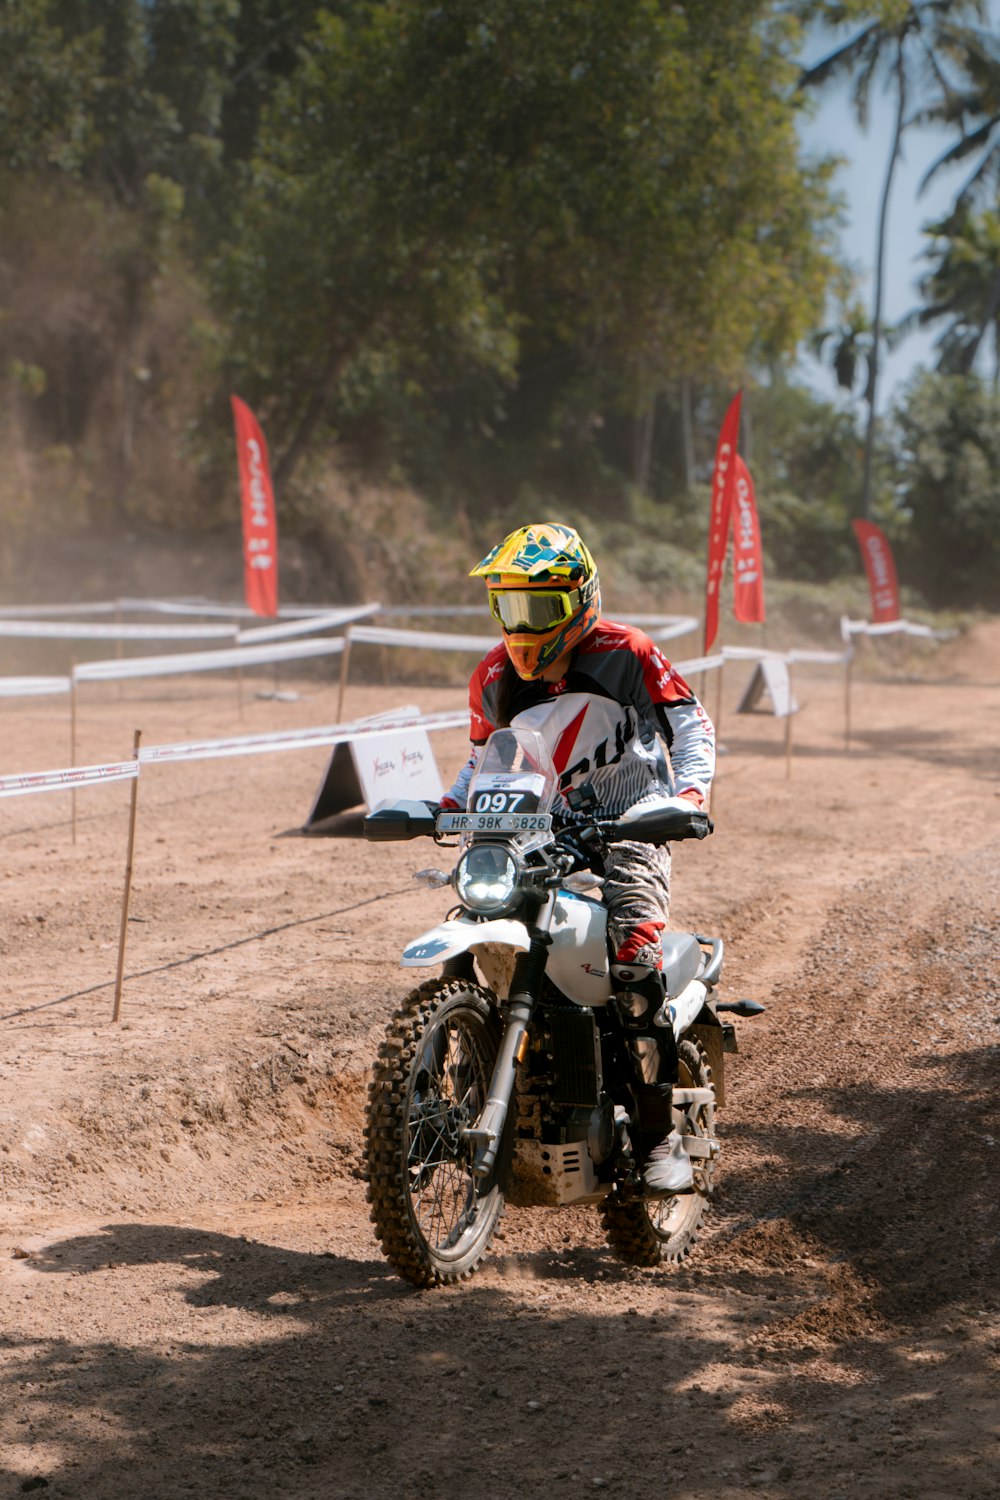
(260, 526)
(881, 569)
(748, 558)
(723, 486)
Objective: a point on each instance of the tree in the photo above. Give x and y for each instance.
(973, 107)
(970, 104)
(48, 86)
(479, 191)
(849, 348)
(806, 469)
(948, 445)
(900, 44)
(963, 288)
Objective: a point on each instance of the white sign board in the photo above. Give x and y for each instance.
(393, 766)
(770, 677)
(377, 768)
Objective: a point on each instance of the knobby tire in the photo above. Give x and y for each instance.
(434, 1220)
(646, 1232)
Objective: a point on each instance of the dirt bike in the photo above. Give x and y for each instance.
(520, 1088)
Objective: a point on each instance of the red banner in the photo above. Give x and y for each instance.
(881, 569)
(748, 558)
(723, 485)
(260, 526)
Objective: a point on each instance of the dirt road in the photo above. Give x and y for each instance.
(192, 1300)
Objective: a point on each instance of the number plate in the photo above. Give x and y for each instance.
(493, 822)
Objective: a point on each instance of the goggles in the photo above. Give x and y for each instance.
(534, 609)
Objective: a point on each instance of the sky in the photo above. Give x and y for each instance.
(833, 130)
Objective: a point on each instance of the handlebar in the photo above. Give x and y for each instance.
(660, 825)
(401, 820)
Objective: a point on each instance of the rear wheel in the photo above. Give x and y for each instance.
(434, 1219)
(645, 1232)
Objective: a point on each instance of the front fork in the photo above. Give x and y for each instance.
(525, 986)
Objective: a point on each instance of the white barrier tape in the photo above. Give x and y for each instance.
(32, 687)
(308, 624)
(829, 658)
(428, 610)
(205, 607)
(698, 664)
(204, 661)
(48, 630)
(41, 611)
(302, 739)
(74, 776)
(758, 653)
(893, 627)
(209, 607)
(751, 653)
(429, 640)
(670, 629)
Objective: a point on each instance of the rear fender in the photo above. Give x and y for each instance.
(449, 939)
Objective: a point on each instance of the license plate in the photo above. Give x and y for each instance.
(493, 822)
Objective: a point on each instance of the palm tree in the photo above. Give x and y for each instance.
(963, 286)
(972, 106)
(901, 49)
(847, 346)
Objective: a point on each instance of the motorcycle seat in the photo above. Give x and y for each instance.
(682, 959)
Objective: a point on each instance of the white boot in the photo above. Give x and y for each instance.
(668, 1169)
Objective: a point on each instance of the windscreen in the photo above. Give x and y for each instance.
(515, 774)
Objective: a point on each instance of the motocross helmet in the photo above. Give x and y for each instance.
(544, 591)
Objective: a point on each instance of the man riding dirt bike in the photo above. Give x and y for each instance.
(600, 694)
(571, 1050)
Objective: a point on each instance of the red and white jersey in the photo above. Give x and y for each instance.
(604, 721)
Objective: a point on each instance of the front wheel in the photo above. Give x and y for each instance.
(645, 1232)
(434, 1218)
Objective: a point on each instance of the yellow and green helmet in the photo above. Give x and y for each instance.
(544, 591)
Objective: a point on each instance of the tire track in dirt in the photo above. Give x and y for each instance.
(232, 1331)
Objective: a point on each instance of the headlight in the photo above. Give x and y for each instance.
(486, 878)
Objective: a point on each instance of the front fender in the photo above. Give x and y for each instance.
(449, 939)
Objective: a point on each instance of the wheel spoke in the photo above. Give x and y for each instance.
(644, 1233)
(442, 1188)
(434, 1218)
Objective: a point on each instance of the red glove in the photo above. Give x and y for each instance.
(692, 795)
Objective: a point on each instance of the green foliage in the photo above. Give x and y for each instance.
(969, 105)
(451, 198)
(948, 475)
(962, 288)
(48, 89)
(507, 250)
(806, 460)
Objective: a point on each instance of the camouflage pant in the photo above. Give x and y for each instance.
(637, 895)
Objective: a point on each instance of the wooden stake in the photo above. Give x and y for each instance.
(847, 706)
(714, 794)
(72, 742)
(788, 727)
(239, 690)
(345, 657)
(116, 1012)
(119, 647)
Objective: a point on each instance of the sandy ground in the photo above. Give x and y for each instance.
(192, 1299)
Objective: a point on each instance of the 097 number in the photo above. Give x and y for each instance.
(498, 802)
